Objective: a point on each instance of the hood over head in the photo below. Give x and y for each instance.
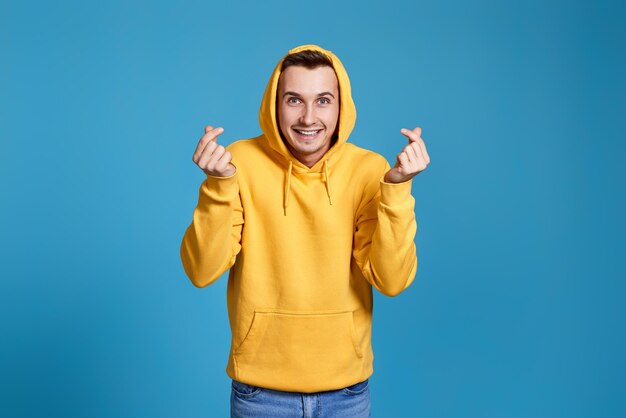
(268, 117)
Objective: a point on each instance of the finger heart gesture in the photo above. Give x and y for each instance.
(211, 157)
(412, 160)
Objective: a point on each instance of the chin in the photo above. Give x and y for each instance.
(307, 149)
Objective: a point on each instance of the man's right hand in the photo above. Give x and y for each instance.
(212, 158)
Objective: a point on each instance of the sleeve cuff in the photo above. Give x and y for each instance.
(220, 189)
(392, 194)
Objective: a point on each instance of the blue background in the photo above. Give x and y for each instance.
(518, 305)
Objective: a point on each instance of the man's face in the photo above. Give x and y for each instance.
(308, 111)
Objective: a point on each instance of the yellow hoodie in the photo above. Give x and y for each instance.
(304, 247)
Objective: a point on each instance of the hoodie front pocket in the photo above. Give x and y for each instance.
(299, 349)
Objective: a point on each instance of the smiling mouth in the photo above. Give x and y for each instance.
(308, 133)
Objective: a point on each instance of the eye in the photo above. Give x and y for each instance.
(324, 100)
(293, 100)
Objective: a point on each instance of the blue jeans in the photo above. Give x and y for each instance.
(247, 401)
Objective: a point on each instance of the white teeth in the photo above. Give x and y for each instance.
(310, 133)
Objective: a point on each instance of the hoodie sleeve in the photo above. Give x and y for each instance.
(213, 240)
(384, 247)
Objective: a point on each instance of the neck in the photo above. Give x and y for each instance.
(308, 159)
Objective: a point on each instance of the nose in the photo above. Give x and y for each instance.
(308, 115)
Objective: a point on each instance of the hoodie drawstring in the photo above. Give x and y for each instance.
(287, 188)
(288, 185)
(327, 181)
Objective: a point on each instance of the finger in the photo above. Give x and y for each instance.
(215, 157)
(208, 137)
(207, 153)
(217, 154)
(422, 146)
(215, 132)
(202, 144)
(223, 162)
(418, 151)
(403, 159)
(419, 164)
(412, 156)
(411, 135)
(226, 157)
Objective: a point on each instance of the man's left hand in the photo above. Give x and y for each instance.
(412, 160)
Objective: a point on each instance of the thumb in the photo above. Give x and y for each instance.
(217, 132)
(418, 131)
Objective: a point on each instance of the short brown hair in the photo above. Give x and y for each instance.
(308, 58)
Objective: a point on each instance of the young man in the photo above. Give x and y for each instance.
(307, 223)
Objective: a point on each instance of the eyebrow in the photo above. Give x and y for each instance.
(324, 93)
